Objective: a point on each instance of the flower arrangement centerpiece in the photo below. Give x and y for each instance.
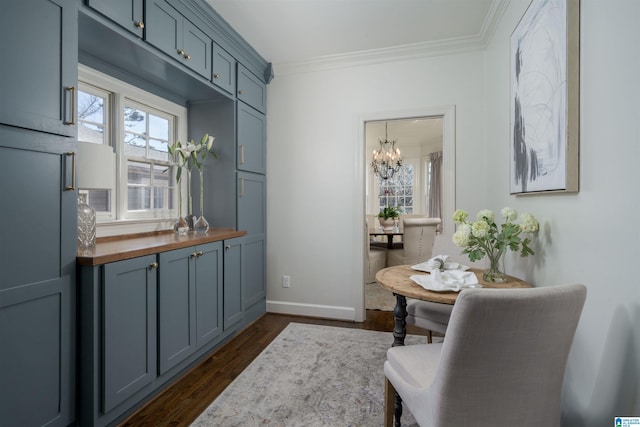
(484, 237)
(185, 157)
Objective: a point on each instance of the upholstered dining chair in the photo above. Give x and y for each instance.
(418, 238)
(502, 362)
(432, 316)
(376, 258)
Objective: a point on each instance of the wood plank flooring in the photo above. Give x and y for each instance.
(183, 401)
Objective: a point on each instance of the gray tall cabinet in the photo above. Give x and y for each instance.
(38, 243)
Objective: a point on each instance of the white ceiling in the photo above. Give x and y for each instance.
(286, 31)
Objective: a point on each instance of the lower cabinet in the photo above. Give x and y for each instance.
(128, 324)
(145, 320)
(189, 301)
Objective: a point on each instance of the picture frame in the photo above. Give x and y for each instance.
(545, 90)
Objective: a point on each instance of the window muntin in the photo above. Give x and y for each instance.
(399, 189)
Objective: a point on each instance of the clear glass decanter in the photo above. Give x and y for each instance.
(86, 223)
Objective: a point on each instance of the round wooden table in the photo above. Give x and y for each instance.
(397, 280)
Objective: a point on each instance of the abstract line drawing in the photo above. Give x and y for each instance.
(539, 99)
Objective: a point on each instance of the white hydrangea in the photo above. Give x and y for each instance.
(480, 229)
(509, 214)
(528, 223)
(487, 215)
(461, 236)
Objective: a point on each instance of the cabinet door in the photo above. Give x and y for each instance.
(251, 90)
(197, 50)
(129, 328)
(224, 66)
(251, 203)
(127, 13)
(37, 279)
(251, 140)
(209, 279)
(176, 307)
(253, 269)
(39, 79)
(172, 33)
(164, 27)
(232, 282)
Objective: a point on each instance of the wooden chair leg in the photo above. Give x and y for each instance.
(389, 402)
(429, 336)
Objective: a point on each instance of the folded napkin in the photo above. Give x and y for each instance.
(439, 262)
(448, 280)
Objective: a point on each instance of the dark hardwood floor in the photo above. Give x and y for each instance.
(183, 401)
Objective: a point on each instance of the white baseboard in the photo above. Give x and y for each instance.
(313, 310)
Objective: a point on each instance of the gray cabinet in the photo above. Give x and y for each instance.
(127, 13)
(189, 301)
(172, 33)
(37, 285)
(251, 217)
(251, 139)
(128, 308)
(232, 283)
(251, 90)
(39, 79)
(224, 66)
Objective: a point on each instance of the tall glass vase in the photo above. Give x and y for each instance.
(495, 273)
(201, 225)
(181, 226)
(190, 217)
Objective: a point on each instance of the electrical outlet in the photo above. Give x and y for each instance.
(286, 281)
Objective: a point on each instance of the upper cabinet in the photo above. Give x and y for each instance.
(171, 32)
(251, 90)
(224, 67)
(126, 13)
(38, 90)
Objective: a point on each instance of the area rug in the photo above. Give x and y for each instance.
(310, 375)
(378, 298)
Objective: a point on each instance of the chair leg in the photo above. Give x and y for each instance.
(389, 402)
(429, 336)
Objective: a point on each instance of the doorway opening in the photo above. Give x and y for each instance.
(421, 136)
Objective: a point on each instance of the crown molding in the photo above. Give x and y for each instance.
(400, 53)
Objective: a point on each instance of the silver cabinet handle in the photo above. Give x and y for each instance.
(72, 187)
(241, 186)
(242, 154)
(74, 107)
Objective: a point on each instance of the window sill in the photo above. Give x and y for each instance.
(132, 226)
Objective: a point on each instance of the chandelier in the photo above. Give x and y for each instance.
(386, 159)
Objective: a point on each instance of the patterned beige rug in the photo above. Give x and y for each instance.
(310, 375)
(378, 298)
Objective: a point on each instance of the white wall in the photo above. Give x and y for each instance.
(315, 161)
(315, 189)
(589, 237)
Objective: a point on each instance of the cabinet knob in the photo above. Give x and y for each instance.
(153, 265)
(216, 76)
(200, 253)
(240, 92)
(194, 254)
(227, 247)
(187, 56)
(139, 24)
(181, 52)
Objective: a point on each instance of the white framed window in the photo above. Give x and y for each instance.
(136, 127)
(400, 189)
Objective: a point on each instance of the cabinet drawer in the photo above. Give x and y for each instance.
(251, 90)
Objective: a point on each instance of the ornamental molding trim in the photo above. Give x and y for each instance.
(404, 52)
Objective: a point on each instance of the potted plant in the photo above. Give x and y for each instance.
(387, 217)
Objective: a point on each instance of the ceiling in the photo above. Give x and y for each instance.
(289, 31)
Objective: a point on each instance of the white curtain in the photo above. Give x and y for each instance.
(435, 186)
